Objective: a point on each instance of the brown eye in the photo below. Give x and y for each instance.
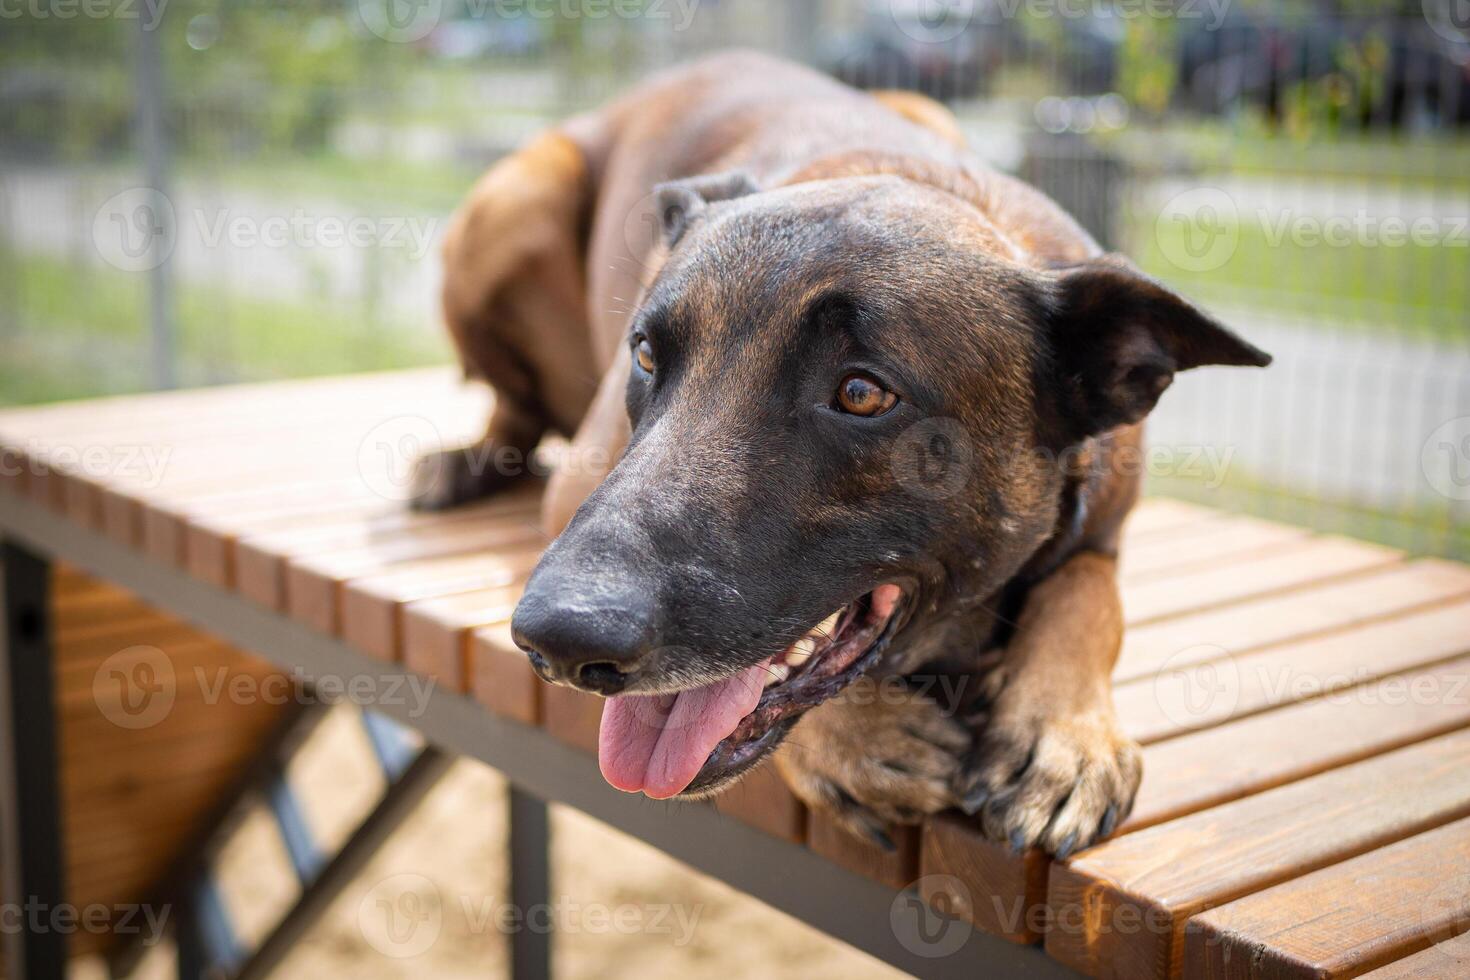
(643, 351)
(859, 394)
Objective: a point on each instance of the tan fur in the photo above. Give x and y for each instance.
(540, 275)
(923, 110)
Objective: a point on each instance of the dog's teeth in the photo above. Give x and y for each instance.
(826, 628)
(776, 673)
(801, 651)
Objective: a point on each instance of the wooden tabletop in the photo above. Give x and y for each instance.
(1303, 700)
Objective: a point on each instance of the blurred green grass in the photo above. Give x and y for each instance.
(1409, 290)
(98, 315)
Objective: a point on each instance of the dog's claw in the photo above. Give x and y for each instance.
(880, 837)
(1018, 841)
(1109, 821)
(1065, 849)
(972, 803)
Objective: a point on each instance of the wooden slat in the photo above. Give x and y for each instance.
(762, 800)
(1180, 700)
(1276, 619)
(1450, 958)
(571, 716)
(1343, 920)
(261, 563)
(1207, 544)
(897, 869)
(1311, 560)
(1161, 515)
(1162, 876)
(981, 881)
(436, 631)
(208, 542)
(501, 677)
(1221, 764)
(372, 605)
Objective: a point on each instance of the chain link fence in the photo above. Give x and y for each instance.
(195, 192)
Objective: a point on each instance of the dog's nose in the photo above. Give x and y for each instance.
(595, 643)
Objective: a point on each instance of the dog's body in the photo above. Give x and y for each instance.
(765, 234)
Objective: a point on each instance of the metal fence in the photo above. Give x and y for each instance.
(194, 192)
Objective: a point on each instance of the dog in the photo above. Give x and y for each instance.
(847, 410)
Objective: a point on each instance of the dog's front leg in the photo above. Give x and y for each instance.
(1051, 767)
(878, 754)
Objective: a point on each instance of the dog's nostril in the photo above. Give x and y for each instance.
(602, 676)
(538, 663)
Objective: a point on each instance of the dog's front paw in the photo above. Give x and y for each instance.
(450, 477)
(1060, 784)
(876, 755)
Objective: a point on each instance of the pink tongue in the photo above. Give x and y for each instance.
(657, 743)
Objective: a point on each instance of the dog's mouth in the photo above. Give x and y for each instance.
(692, 742)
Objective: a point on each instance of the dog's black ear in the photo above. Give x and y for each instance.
(1119, 336)
(679, 201)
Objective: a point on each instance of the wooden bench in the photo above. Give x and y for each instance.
(1302, 700)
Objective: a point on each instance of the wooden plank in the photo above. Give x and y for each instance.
(981, 881)
(1220, 764)
(208, 542)
(1450, 958)
(166, 523)
(299, 451)
(501, 677)
(897, 869)
(1276, 619)
(372, 605)
(1162, 515)
(1217, 765)
(1343, 920)
(571, 716)
(1207, 544)
(363, 547)
(1178, 700)
(762, 800)
(436, 631)
(1163, 876)
(1312, 560)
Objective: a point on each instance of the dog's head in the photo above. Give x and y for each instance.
(847, 399)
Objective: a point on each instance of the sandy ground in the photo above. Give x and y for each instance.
(431, 903)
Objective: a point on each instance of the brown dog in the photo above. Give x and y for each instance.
(812, 356)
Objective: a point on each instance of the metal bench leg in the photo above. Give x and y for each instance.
(30, 862)
(530, 886)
